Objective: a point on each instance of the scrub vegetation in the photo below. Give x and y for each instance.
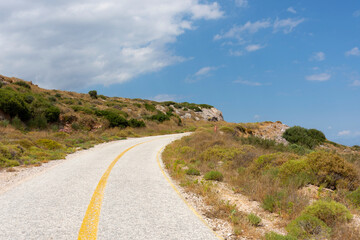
(275, 175)
(38, 125)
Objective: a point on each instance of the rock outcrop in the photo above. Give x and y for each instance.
(210, 114)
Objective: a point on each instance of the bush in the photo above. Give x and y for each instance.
(13, 104)
(308, 227)
(52, 114)
(48, 144)
(306, 137)
(296, 172)
(17, 123)
(29, 98)
(354, 197)
(330, 212)
(39, 122)
(193, 171)
(159, 117)
(93, 94)
(150, 107)
(23, 84)
(276, 236)
(102, 97)
(269, 203)
(218, 153)
(1, 84)
(332, 171)
(114, 118)
(136, 123)
(254, 219)
(214, 175)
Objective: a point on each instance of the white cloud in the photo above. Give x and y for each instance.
(355, 83)
(68, 44)
(319, 77)
(236, 53)
(201, 73)
(164, 97)
(254, 47)
(356, 13)
(256, 116)
(242, 3)
(287, 25)
(248, 83)
(353, 52)
(344, 133)
(238, 32)
(291, 10)
(317, 56)
(250, 28)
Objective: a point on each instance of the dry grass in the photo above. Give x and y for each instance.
(244, 172)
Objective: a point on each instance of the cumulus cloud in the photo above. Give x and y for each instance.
(318, 56)
(254, 47)
(353, 52)
(319, 77)
(242, 3)
(68, 44)
(236, 53)
(344, 133)
(291, 10)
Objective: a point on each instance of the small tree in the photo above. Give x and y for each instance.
(93, 94)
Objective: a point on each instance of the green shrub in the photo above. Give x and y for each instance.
(354, 197)
(227, 130)
(1, 84)
(136, 123)
(93, 94)
(193, 171)
(13, 104)
(159, 117)
(214, 175)
(52, 99)
(58, 95)
(219, 153)
(52, 114)
(306, 137)
(17, 123)
(150, 107)
(102, 97)
(39, 122)
(254, 219)
(330, 212)
(23, 84)
(29, 98)
(308, 227)
(12, 163)
(296, 172)
(332, 171)
(269, 203)
(48, 144)
(276, 236)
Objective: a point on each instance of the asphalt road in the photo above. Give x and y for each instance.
(97, 194)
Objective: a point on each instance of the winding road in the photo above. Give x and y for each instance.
(113, 191)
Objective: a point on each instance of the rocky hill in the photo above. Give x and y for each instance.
(71, 111)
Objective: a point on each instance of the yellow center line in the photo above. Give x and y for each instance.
(89, 226)
(180, 195)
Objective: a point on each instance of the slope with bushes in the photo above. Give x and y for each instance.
(30, 116)
(273, 174)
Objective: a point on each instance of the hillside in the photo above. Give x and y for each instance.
(269, 181)
(38, 125)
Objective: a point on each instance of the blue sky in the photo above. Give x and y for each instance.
(256, 60)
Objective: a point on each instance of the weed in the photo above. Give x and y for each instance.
(192, 171)
(214, 175)
(276, 236)
(254, 219)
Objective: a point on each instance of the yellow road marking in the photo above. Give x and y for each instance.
(180, 195)
(89, 226)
